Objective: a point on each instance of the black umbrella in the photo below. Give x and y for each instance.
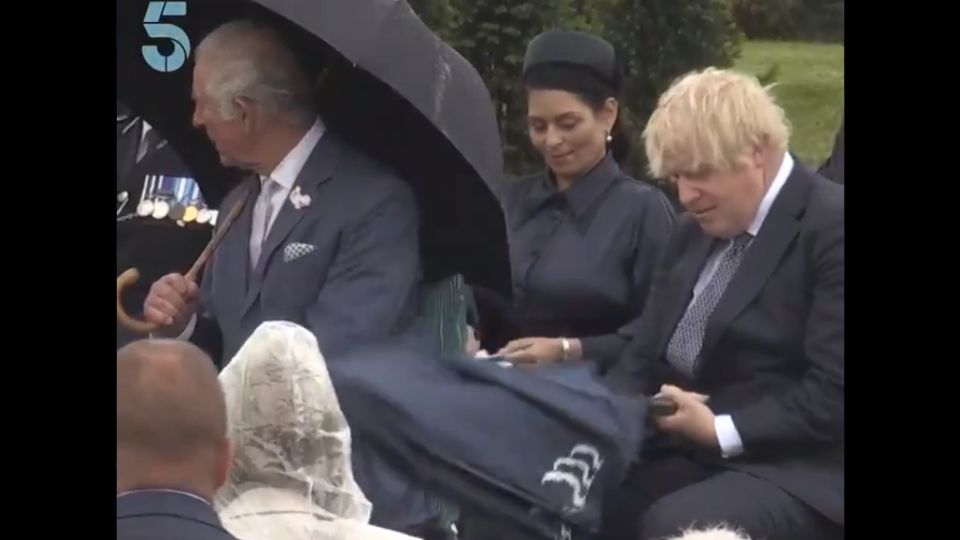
(391, 87)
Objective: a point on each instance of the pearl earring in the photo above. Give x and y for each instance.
(609, 137)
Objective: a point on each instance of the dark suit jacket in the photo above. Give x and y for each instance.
(832, 168)
(772, 356)
(158, 515)
(155, 247)
(347, 266)
(128, 142)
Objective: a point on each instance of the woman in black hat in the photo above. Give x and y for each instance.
(583, 235)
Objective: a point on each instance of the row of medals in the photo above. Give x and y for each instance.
(164, 206)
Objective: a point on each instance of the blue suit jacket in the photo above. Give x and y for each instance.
(347, 266)
(158, 515)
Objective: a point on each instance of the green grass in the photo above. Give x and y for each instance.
(809, 86)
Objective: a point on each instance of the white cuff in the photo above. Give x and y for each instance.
(730, 443)
(187, 330)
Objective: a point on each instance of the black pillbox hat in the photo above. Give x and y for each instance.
(572, 47)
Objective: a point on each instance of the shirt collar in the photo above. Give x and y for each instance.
(786, 167)
(164, 490)
(287, 171)
(583, 192)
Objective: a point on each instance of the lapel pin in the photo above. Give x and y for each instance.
(299, 200)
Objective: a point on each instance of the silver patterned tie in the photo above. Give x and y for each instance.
(683, 350)
(262, 214)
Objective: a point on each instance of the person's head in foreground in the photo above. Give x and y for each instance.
(572, 86)
(720, 137)
(171, 419)
(292, 478)
(251, 96)
(289, 431)
(711, 533)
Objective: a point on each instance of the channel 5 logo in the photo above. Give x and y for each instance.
(165, 30)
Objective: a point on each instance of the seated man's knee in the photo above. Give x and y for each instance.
(664, 519)
(671, 516)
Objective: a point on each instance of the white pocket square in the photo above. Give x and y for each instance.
(295, 250)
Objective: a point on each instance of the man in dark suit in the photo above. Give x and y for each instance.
(745, 333)
(173, 453)
(832, 168)
(328, 238)
(151, 178)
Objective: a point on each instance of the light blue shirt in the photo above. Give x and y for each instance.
(731, 445)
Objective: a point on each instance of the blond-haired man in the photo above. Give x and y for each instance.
(745, 332)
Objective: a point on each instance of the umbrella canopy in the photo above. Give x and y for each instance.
(392, 88)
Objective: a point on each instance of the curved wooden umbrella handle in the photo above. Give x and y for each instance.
(131, 275)
(124, 280)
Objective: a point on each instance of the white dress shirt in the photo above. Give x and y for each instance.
(143, 136)
(731, 444)
(141, 151)
(270, 202)
(283, 177)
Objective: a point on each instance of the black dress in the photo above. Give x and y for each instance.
(581, 259)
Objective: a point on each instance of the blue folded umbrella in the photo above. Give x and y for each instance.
(536, 447)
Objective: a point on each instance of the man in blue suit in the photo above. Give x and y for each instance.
(173, 453)
(327, 239)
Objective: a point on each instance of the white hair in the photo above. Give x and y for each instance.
(248, 60)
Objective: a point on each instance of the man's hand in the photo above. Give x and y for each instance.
(693, 420)
(533, 350)
(171, 302)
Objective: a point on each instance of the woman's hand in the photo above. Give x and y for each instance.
(538, 350)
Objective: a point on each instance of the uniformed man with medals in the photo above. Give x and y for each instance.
(163, 222)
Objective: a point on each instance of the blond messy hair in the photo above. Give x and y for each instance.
(708, 119)
(713, 533)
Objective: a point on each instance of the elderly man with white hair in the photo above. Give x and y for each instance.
(745, 332)
(328, 238)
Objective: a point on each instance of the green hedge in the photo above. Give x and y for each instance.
(658, 40)
(798, 20)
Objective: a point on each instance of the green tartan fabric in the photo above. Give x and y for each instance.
(444, 308)
(443, 312)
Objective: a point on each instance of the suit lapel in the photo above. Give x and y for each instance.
(317, 170)
(237, 243)
(127, 155)
(777, 234)
(686, 273)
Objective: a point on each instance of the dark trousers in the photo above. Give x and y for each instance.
(662, 498)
